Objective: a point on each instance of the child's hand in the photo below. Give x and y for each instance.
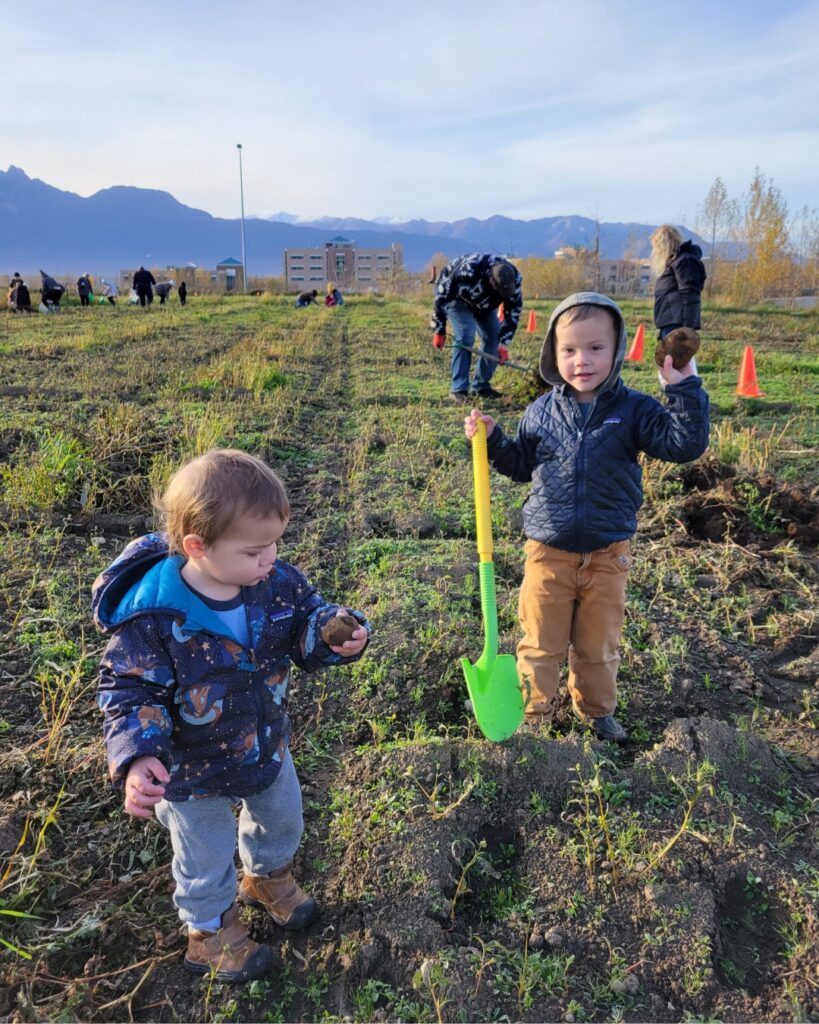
(672, 376)
(471, 423)
(144, 786)
(356, 643)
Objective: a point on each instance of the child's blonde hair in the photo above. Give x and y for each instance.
(209, 493)
(665, 244)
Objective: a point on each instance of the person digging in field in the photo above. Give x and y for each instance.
(21, 297)
(468, 291)
(205, 624)
(85, 289)
(578, 445)
(143, 283)
(163, 290)
(110, 291)
(51, 292)
(304, 299)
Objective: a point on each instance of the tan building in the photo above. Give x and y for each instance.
(341, 261)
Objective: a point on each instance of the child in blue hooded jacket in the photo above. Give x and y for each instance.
(578, 446)
(206, 623)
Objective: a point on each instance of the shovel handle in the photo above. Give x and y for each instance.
(480, 473)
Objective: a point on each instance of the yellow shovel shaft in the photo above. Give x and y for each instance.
(480, 476)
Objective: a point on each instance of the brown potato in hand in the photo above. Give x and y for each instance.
(681, 344)
(339, 629)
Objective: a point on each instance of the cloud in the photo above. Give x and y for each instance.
(424, 109)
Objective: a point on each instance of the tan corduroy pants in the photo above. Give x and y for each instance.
(572, 604)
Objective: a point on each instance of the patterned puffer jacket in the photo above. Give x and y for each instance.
(466, 279)
(174, 684)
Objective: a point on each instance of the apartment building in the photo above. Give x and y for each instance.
(341, 261)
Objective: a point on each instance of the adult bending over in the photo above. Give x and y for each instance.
(468, 292)
(143, 280)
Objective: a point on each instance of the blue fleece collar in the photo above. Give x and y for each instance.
(162, 589)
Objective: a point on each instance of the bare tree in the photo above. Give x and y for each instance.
(804, 233)
(718, 217)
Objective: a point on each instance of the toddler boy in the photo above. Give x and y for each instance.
(205, 624)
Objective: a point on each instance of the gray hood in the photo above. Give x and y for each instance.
(548, 366)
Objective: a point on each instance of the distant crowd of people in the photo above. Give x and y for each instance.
(52, 292)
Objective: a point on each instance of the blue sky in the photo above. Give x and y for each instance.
(439, 110)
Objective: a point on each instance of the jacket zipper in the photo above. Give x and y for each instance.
(250, 649)
(581, 468)
(257, 699)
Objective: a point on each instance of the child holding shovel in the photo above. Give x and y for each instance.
(578, 445)
(205, 625)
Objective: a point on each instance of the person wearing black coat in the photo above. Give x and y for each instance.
(85, 289)
(680, 279)
(51, 291)
(183, 292)
(23, 297)
(143, 280)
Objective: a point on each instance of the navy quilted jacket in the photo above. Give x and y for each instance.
(466, 279)
(176, 685)
(586, 481)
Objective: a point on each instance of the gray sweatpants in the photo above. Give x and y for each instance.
(203, 836)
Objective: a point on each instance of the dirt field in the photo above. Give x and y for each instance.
(550, 878)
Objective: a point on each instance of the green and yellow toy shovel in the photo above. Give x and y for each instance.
(492, 681)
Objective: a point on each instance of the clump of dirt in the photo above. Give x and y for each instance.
(706, 473)
(454, 869)
(748, 509)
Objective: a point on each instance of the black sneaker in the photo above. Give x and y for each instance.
(460, 397)
(488, 392)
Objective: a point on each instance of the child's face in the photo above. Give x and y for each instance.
(584, 353)
(244, 555)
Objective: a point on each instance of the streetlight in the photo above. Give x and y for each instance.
(242, 195)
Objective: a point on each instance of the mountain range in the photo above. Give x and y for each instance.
(121, 227)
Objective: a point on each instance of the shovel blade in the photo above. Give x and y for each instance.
(494, 689)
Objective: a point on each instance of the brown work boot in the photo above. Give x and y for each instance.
(279, 894)
(229, 953)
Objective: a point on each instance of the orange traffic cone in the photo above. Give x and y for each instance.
(748, 385)
(532, 322)
(635, 354)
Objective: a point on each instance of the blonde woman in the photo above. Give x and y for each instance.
(680, 276)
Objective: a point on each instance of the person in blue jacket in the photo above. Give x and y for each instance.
(578, 446)
(205, 624)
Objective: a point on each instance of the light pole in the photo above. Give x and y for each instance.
(242, 197)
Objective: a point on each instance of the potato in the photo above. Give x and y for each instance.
(681, 344)
(338, 629)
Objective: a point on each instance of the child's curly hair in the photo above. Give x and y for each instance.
(209, 493)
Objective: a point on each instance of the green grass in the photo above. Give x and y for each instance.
(351, 407)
